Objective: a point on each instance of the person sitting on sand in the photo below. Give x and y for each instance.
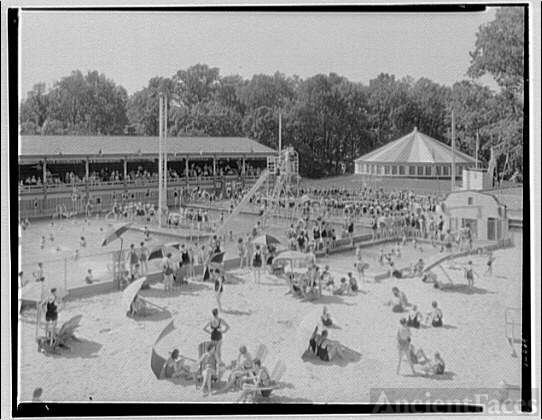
(418, 268)
(399, 302)
(241, 368)
(328, 350)
(138, 307)
(353, 284)
(417, 357)
(429, 277)
(343, 288)
(175, 367)
(403, 345)
(414, 317)
(435, 316)
(326, 318)
(89, 278)
(260, 379)
(435, 367)
(209, 363)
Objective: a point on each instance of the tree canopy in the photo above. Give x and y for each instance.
(329, 119)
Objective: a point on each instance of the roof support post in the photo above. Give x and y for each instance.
(44, 180)
(125, 173)
(187, 171)
(87, 175)
(243, 171)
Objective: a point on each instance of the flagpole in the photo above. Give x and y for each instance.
(453, 151)
(160, 157)
(165, 152)
(477, 146)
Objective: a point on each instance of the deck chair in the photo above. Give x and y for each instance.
(62, 337)
(261, 352)
(197, 371)
(251, 392)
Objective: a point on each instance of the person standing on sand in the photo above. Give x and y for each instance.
(167, 268)
(490, 260)
(257, 264)
(143, 258)
(403, 345)
(219, 287)
(217, 327)
(469, 275)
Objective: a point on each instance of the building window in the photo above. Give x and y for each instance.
(387, 169)
(438, 170)
(401, 170)
(378, 169)
(420, 170)
(412, 170)
(428, 170)
(446, 170)
(394, 170)
(469, 201)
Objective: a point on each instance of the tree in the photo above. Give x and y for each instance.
(499, 51)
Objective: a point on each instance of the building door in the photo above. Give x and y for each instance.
(473, 226)
(491, 229)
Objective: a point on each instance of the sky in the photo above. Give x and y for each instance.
(131, 48)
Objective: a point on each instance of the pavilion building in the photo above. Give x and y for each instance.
(415, 155)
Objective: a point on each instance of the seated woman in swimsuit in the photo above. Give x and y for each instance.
(259, 379)
(175, 367)
(414, 316)
(436, 367)
(343, 288)
(328, 350)
(138, 307)
(326, 318)
(399, 301)
(435, 316)
(241, 368)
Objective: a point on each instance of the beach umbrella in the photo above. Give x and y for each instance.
(161, 251)
(217, 258)
(129, 294)
(266, 240)
(157, 359)
(306, 327)
(116, 233)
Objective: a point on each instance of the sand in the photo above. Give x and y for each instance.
(112, 362)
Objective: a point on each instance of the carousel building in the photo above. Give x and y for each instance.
(415, 155)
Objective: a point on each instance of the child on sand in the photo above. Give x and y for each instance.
(469, 274)
(489, 263)
(436, 367)
(175, 367)
(89, 278)
(257, 264)
(435, 316)
(326, 318)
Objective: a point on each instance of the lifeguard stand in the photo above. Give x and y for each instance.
(284, 176)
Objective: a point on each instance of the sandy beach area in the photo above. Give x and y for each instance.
(112, 360)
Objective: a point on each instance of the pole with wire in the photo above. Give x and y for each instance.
(160, 157)
(453, 151)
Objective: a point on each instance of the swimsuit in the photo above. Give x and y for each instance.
(322, 353)
(257, 262)
(327, 322)
(51, 313)
(216, 334)
(219, 285)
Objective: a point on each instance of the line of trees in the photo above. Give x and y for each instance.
(329, 119)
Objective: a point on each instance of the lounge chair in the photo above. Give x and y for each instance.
(252, 392)
(61, 338)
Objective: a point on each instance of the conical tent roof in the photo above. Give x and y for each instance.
(415, 147)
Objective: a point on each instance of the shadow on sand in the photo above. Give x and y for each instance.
(350, 356)
(328, 299)
(153, 314)
(236, 312)
(185, 289)
(79, 348)
(446, 376)
(466, 290)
